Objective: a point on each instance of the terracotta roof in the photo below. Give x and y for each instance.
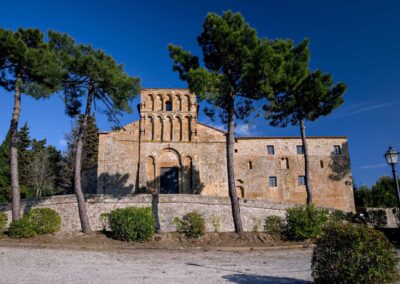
(145, 89)
(290, 137)
(217, 129)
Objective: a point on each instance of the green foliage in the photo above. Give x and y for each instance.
(26, 61)
(338, 216)
(24, 143)
(39, 167)
(91, 71)
(237, 64)
(104, 220)
(381, 195)
(192, 225)
(215, 222)
(349, 253)
(4, 167)
(3, 221)
(44, 220)
(132, 224)
(312, 97)
(22, 228)
(274, 225)
(305, 222)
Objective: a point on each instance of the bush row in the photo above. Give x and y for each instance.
(347, 250)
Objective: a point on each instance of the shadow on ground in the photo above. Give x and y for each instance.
(258, 279)
(244, 278)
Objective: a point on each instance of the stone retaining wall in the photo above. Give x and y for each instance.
(166, 207)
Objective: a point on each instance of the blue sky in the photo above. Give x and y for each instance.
(358, 42)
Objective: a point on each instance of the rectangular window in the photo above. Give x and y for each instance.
(300, 149)
(270, 150)
(337, 150)
(273, 182)
(302, 180)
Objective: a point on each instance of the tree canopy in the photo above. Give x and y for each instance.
(27, 61)
(238, 69)
(382, 194)
(91, 70)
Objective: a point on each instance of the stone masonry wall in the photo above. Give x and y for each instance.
(169, 207)
(168, 135)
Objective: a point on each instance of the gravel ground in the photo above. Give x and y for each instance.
(34, 265)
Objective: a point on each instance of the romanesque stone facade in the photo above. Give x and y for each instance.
(169, 151)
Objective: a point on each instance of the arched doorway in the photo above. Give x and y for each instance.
(170, 172)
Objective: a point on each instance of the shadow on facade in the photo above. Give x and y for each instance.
(117, 183)
(340, 164)
(189, 183)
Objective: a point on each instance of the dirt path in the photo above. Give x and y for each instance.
(31, 265)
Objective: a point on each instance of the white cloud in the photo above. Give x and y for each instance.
(244, 129)
(372, 166)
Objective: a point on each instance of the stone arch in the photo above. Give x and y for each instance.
(168, 129)
(185, 128)
(186, 104)
(178, 103)
(168, 103)
(150, 128)
(159, 102)
(178, 129)
(151, 174)
(189, 127)
(159, 128)
(188, 174)
(170, 159)
(150, 102)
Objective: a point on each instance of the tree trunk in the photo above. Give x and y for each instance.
(306, 163)
(237, 221)
(16, 198)
(85, 224)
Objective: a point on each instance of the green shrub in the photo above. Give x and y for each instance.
(3, 221)
(104, 221)
(274, 225)
(132, 224)
(305, 222)
(215, 222)
(191, 224)
(22, 228)
(44, 220)
(348, 253)
(356, 218)
(338, 216)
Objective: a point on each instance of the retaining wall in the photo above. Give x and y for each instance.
(165, 207)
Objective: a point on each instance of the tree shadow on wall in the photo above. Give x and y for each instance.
(115, 184)
(340, 164)
(191, 183)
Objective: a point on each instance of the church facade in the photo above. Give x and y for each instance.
(169, 152)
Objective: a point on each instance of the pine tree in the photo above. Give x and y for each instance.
(93, 75)
(24, 144)
(303, 96)
(27, 66)
(239, 68)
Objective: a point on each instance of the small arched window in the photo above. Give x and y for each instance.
(168, 106)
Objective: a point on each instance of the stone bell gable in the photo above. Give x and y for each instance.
(169, 152)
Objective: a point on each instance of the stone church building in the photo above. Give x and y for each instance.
(170, 152)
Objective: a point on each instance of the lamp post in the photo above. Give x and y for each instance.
(392, 158)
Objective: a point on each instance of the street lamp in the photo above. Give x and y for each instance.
(392, 158)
